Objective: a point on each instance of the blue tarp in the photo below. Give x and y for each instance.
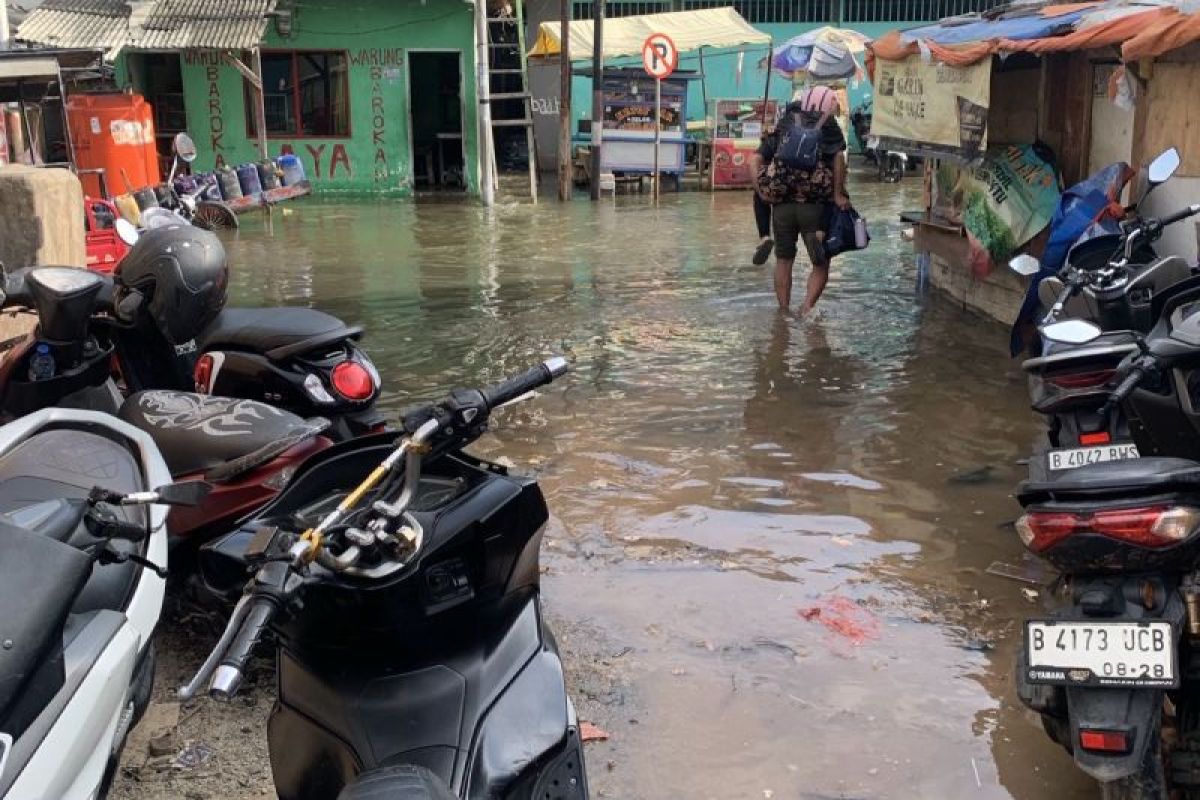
(1031, 27)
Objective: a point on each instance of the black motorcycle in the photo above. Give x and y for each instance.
(1114, 662)
(301, 360)
(400, 582)
(890, 164)
(1118, 282)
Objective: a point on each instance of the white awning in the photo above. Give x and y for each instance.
(624, 36)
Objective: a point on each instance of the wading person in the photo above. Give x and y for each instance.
(804, 171)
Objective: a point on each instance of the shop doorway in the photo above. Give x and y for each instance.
(435, 110)
(159, 78)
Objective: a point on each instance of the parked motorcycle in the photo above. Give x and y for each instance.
(1120, 283)
(1113, 662)
(890, 164)
(247, 449)
(301, 360)
(83, 546)
(400, 582)
(188, 207)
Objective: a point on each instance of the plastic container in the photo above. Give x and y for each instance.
(227, 181)
(248, 178)
(268, 175)
(146, 197)
(113, 131)
(41, 363)
(129, 208)
(293, 169)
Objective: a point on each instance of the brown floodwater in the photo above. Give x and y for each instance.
(770, 539)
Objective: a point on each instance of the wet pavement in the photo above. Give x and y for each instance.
(768, 556)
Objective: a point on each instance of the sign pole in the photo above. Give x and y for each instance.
(597, 94)
(657, 132)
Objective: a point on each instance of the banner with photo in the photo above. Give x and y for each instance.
(932, 109)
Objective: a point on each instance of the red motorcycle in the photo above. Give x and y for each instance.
(246, 449)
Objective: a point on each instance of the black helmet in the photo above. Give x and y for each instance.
(182, 273)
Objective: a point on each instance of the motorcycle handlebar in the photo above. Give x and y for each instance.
(506, 391)
(1182, 214)
(228, 676)
(1123, 391)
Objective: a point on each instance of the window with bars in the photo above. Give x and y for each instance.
(910, 10)
(581, 9)
(305, 93)
(799, 11)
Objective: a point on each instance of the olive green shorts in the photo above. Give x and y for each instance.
(795, 221)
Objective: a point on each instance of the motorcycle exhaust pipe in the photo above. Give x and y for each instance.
(1191, 601)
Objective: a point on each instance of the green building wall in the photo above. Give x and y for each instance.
(377, 35)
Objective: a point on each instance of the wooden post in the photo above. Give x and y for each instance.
(597, 94)
(260, 105)
(483, 89)
(565, 167)
(767, 87)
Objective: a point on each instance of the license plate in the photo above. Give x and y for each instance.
(1082, 456)
(1101, 653)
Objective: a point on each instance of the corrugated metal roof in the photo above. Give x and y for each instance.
(148, 24)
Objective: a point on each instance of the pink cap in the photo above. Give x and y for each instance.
(820, 99)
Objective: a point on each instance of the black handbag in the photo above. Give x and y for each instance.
(845, 229)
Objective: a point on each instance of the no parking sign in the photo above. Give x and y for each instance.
(659, 55)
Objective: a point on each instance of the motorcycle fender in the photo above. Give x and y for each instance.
(1135, 712)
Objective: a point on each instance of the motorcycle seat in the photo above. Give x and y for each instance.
(276, 332)
(197, 432)
(36, 603)
(1129, 478)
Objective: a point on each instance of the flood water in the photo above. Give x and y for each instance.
(770, 539)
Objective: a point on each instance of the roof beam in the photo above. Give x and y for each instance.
(247, 73)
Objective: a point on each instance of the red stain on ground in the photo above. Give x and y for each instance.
(590, 733)
(844, 617)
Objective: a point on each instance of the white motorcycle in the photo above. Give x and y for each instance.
(83, 550)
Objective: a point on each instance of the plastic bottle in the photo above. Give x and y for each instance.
(293, 169)
(248, 177)
(41, 363)
(268, 175)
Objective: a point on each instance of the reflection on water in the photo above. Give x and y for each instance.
(725, 480)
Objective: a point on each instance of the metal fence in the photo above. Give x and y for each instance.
(798, 11)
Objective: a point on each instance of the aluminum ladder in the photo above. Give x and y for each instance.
(508, 83)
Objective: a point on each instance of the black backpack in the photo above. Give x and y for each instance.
(800, 145)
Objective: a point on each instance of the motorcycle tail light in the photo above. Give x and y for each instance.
(1082, 380)
(1090, 439)
(1151, 527)
(352, 381)
(203, 374)
(1104, 741)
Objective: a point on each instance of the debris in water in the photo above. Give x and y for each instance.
(1032, 572)
(978, 475)
(590, 733)
(194, 754)
(1030, 594)
(844, 617)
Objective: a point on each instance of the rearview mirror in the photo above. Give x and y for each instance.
(185, 493)
(1071, 331)
(127, 232)
(1163, 167)
(1025, 265)
(184, 147)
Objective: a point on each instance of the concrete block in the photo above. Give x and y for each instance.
(41, 217)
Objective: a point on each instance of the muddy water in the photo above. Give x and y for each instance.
(768, 555)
